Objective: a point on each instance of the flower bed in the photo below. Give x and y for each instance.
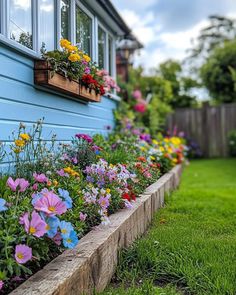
(57, 193)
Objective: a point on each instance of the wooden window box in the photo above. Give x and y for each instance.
(44, 76)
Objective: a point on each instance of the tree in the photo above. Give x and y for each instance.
(221, 29)
(181, 85)
(217, 75)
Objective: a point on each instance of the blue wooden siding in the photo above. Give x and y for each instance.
(20, 101)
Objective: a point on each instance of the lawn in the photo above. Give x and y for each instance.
(191, 246)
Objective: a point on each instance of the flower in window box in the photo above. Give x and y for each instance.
(74, 57)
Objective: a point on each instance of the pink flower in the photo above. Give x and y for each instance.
(82, 216)
(40, 177)
(140, 108)
(23, 253)
(137, 94)
(20, 183)
(62, 173)
(35, 186)
(36, 227)
(50, 204)
(1, 284)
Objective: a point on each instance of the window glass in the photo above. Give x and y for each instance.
(110, 55)
(46, 24)
(101, 47)
(20, 26)
(65, 10)
(83, 31)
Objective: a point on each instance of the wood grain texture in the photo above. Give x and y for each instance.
(92, 263)
(208, 126)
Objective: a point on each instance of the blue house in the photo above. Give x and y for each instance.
(24, 26)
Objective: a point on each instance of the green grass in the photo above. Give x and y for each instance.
(191, 246)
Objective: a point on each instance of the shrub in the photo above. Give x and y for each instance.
(232, 143)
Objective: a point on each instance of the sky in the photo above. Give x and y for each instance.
(166, 27)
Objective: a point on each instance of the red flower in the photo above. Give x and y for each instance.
(126, 196)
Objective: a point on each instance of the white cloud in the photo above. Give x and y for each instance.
(138, 5)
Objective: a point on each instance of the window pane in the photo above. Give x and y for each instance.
(101, 47)
(46, 24)
(83, 31)
(20, 26)
(65, 10)
(110, 55)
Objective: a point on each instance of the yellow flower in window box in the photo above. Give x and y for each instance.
(154, 141)
(19, 142)
(74, 57)
(72, 48)
(25, 136)
(86, 58)
(64, 43)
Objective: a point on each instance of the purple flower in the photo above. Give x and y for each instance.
(87, 70)
(57, 239)
(36, 226)
(23, 253)
(82, 216)
(40, 177)
(50, 204)
(85, 137)
(62, 173)
(19, 183)
(104, 202)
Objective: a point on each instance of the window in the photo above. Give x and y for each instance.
(27, 24)
(46, 24)
(65, 13)
(20, 22)
(83, 31)
(101, 47)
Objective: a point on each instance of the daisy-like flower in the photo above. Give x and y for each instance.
(71, 241)
(50, 204)
(66, 229)
(104, 202)
(36, 226)
(23, 253)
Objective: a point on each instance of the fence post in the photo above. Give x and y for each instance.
(205, 129)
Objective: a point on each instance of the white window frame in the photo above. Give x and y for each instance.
(35, 52)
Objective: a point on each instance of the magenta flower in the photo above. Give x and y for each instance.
(50, 204)
(36, 226)
(35, 186)
(137, 94)
(23, 253)
(86, 137)
(40, 177)
(1, 284)
(19, 183)
(82, 216)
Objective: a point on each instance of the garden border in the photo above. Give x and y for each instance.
(92, 263)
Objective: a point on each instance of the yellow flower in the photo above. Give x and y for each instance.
(25, 136)
(72, 48)
(152, 158)
(175, 140)
(16, 150)
(19, 142)
(74, 57)
(174, 160)
(55, 182)
(161, 149)
(154, 141)
(64, 43)
(67, 170)
(108, 190)
(86, 58)
(169, 150)
(166, 139)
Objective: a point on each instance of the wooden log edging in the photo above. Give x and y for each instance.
(92, 263)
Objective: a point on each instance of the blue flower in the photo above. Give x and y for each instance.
(66, 229)
(71, 241)
(35, 198)
(52, 225)
(2, 205)
(66, 197)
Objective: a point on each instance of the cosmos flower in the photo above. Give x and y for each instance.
(23, 253)
(36, 226)
(19, 183)
(41, 178)
(50, 204)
